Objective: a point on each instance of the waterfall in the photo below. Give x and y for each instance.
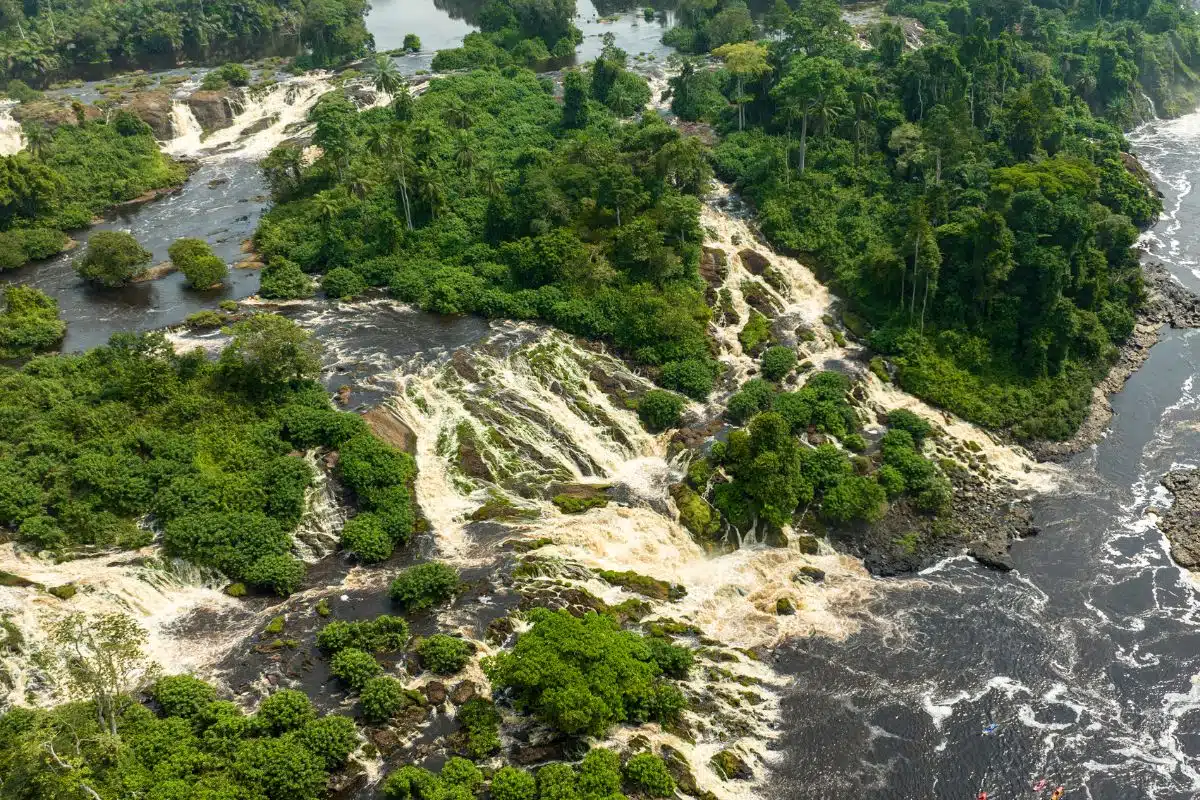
(186, 130)
(12, 141)
(264, 118)
(1150, 102)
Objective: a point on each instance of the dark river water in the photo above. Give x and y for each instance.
(1086, 659)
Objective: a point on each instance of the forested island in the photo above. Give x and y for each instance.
(956, 173)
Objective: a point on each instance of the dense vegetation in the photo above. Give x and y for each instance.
(515, 31)
(784, 461)
(40, 41)
(486, 196)
(69, 174)
(970, 198)
(96, 441)
(195, 746)
(29, 323)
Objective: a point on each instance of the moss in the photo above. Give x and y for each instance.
(644, 585)
(730, 766)
(64, 592)
(838, 337)
(856, 324)
(879, 367)
(323, 608)
(909, 542)
(275, 626)
(784, 607)
(756, 334)
(701, 520)
(500, 508)
(11, 579)
(529, 545)
(11, 638)
(575, 504)
(236, 590)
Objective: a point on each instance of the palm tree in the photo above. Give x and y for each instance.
(465, 156)
(489, 181)
(862, 96)
(384, 75)
(431, 189)
(327, 207)
(37, 140)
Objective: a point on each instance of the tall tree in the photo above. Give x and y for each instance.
(817, 87)
(744, 60)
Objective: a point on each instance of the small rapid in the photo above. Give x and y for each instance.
(12, 141)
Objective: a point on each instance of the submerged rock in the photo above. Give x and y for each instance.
(731, 767)
(992, 555)
(1181, 523)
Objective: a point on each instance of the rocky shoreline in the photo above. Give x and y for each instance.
(1181, 523)
(1168, 303)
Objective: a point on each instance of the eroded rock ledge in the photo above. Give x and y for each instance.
(1181, 523)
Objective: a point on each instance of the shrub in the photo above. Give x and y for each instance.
(280, 769)
(183, 695)
(284, 280)
(281, 574)
(286, 710)
(113, 258)
(354, 667)
(891, 480)
(331, 738)
(343, 284)
(196, 260)
(659, 410)
(412, 43)
(674, 661)
(854, 442)
(39, 243)
(231, 542)
(268, 354)
(412, 783)
(854, 497)
(231, 74)
(29, 323)
(557, 782)
(365, 537)
(777, 362)
(383, 634)
(756, 334)
(460, 772)
(424, 586)
(902, 419)
(443, 654)
(481, 727)
(565, 671)
(600, 774)
(510, 783)
(381, 697)
(692, 377)
(366, 463)
(756, 395)
(649, 775)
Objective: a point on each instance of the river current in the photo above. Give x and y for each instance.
(1082, 667)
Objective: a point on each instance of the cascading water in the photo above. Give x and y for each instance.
(12, 141)
(186, 130)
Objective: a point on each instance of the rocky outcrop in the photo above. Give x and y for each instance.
(154, 109)
(389, 427)
(754, 262)
(211, 109)
(1182, 523)
(52, 112)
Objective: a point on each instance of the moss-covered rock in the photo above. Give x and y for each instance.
(64, 592)
(807, 574)
(806, 543)
(644, 585)
(784, 607)
(701, 519)
(575, 498)
(731, 767)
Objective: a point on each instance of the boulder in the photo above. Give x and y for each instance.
(731, 767)
(807, 543)
(435, 692)
(992, 555)
(211, 109)
(537, 754)
(809, 575)
(462, 692)
(755, 262)
(154, 109)
(1181, 523)
(393, 430)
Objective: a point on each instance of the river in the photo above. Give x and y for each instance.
(1086, 659)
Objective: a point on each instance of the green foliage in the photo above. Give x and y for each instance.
(286, 710)
(659, 410)
(384, 634)
(981, 227)
(283, 280)
(778, 362)
(565, 671)
(29, 323)
(481, 727)
(343, 284)
(444, 655)
(693, 377)
(412, 43)
(649, 776)
(354, 667)
(755, 334)
(270, 354)
(331, 738)
(231, 74)
(364, 536)
(510, 783)
(183, 696)
(67, 38)
(755, 395)
(196, 260)
(901, 419)
(483, 199)
(381, 697)
(113, 258)
(600, 774)
(424, 586)
(854, 497)
(198, 748)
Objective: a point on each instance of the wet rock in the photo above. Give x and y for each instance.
(259, 126)
(537, 754)
(731, 767)
(573, 600)
(992, 555)
(462, 692)
(695, 514)
(391, 429)
(1181, 523)
(644, 585)
(52, 112)
(499, 630)
(806, 543)
(784, 607)
(211, 109)
(461, 362)
(680, 770)
(348, 782)
(154, 109)
(808, 574)
(754, 262)
(575, 498)
(435, 692)
(343, 395)
(714, 267)
(385, 740)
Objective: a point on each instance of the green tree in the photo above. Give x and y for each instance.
(269, 352)
(196, 260)
(113, 258)
(385, 77)
(745, 60)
